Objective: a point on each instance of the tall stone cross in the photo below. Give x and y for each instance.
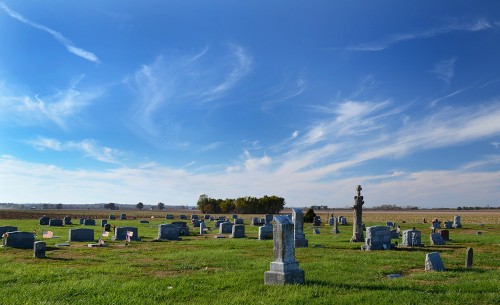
(357, 226)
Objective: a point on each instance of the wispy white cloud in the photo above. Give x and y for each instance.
(452, 26)
(445, 70)
(89, 147)
(495, 144)
(57, 108)
(58, 36)
(284, 92)
(212, 146)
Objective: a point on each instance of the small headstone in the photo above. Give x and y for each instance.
(39, 249)
(194, 216)
(206, 216)
(219, 236)
(284, 269)
(316, 231)
(437, 239)
(238, 231)
(111, 217)
(256, 222)
(456, 222)
(479, 233)
(436, 224)
(393, 276)
(433, 262)
(445, 234)
(448, 224)
(225, 228)
(62, 245)
(5, 229)
(168, 232)
(389, 224)
(412, 238)
(81, 221)
(218, 223)
(238, 221)
(19, 239)
(103, 222)
(89, 222)
(196, 223)
(123, 216)
(121, 233)
(203, 228)
(44, 220)
(81, 235)
(184, 217)
(143, 221)
(107, 227)
(377, 238)
(469, 256)
(235, 216)
(67, 220)
(265, 232)
(317, 221)
(169, 216)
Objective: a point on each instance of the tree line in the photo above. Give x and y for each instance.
(244, 205)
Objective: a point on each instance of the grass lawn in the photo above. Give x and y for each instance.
(205, 270)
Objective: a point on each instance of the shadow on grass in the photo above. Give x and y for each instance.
(420, 249)
(465, 270)
(58, 259)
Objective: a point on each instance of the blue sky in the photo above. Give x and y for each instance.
(123, 101)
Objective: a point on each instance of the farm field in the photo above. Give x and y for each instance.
(206, 270)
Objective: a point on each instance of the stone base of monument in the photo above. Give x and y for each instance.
(281, 274)
(301, 243)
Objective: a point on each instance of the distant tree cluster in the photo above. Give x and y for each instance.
(478, 208)
(309, 216)
(243, 205)
(111, 206)
(319, 207)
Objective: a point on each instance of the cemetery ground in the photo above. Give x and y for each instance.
(206, 270)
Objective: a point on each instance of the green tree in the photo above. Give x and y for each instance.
(309, 216)
(139, 206)
(161, 206)
(110, 206)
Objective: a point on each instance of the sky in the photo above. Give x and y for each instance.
(163, 101)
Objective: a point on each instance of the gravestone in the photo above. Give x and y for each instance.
(184, 217)
(111, 217)
(107, 227)
(394, 234)
(168, 232)
(256, 222)
(44, 220)
(183, 228)
(335, 229)
(268, 219)
(123, 216)
(284, 269)
(81, 234)
(433, 262)
(448, 224)
(377, 238)
(81, 221)
(67, 220)
(239, 221)
(342, 220)
(169, 216)
(390, 224)
(437, 239)
(436, 224)
(445, 234)
(357, 225)
(203, 228)
(331, 221)
(206, 216)
(238, 231)
(456, 222)
(121, 233)
(194, 216)
(412, 238)
(143, 221)
(317, 221)
(316, 231)
(39, 249)
(469, 256)
(235, 216)
(19, 239)
(225, 228)
(5, 229)
(103, 222)
(265, 232)
(196, 223)
(298, 225)
(218, 223)
(56, 223)
(89, 222)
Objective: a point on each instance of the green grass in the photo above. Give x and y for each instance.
(205, 270)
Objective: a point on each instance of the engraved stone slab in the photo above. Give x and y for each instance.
(433, 262)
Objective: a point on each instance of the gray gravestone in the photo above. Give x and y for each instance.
(225, 228)
(448, 224)
(203, 228)
(111, 217)
(169, 216)
(67, 220)
(456, 222)
(238, 231)
(143, 221)
(389, 224)
(44, 220)
(239, 221)
(168, 232)
(82, 220)
(103, 222)
(316, 231)
(206, 216)
(56, 223)
(196, 223)
(335, 229)
(317, 221)
(81, 234)
(183, 228)
(183, 217)
(357, 225)
(39, 249)
(394, 234)
(19, 239)
(445, 234)
(469, 257)
(194, 216)
(121, 233)
(268, 219)
(433, 262)
(378, 238)
(123, 216)
(284, 269)
(5, 229)
(265, 232)
(235, 216)
(298, 224)
(412, 238)
(107, 227)
(437, 239)
(89, 222)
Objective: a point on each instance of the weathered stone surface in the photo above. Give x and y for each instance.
(342, 220)
(357, 226)
(456, 222)
(239, 221)
(56, 223)
(44, 220)
(196, 223)
(168, 232)
(377, 238)
(203, 228)
(194, 216)
(103, 222)
(183, 228)
(268, 218)
(225, 228)
(123, 216)
(412, 238)
(284, 269)
(448, 224)
(235, 216)
(89, 222)
(433, 262)
(169, 216)
(238, 231)
(111, 217)
(67, 220)
(143, 221)
(469, 257)
(436, 239)
(265, 232)
(298, 225)
(445, 234)
(256, 222)
(81, 234)
(206, 216)
(184, 217)
(39, 249)
(5, 229)
(19, 239)
(317, 221)
(390, 224)
(316, 231)
(121, 233)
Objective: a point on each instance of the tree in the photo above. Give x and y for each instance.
(309, 216)
(139, 206)
(59, 206)
(111, 206)
(161, 206)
